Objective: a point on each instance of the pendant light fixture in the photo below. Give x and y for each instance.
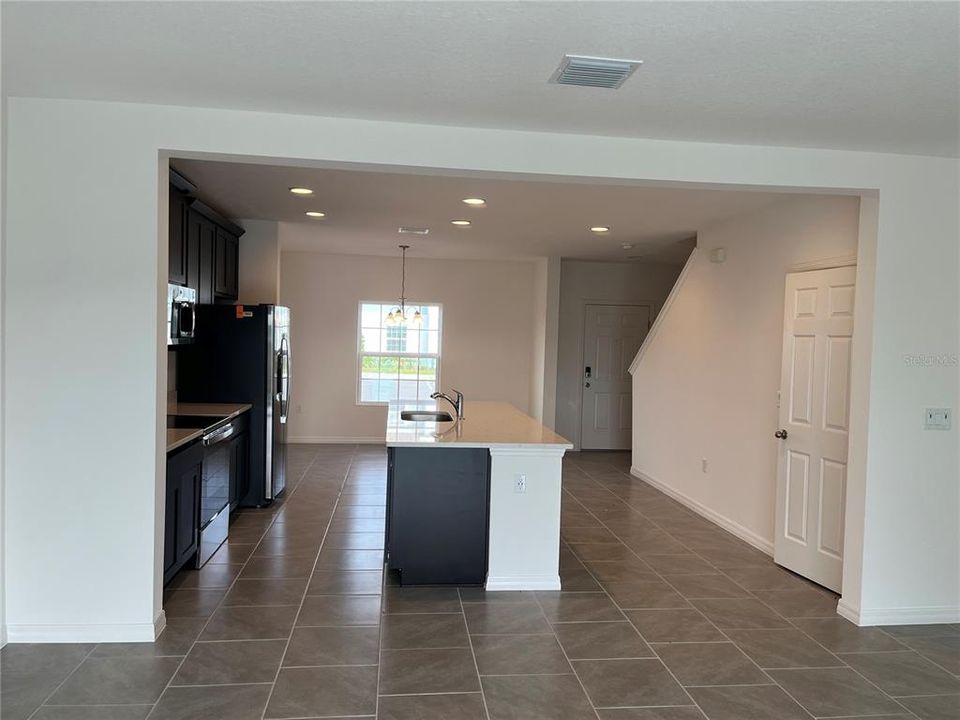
(398, 316)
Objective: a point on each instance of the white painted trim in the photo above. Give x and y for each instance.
(328, 440)
(732, 527)
(131, 632)
(3, 635)
(899, 616)
(848, 611)
(523, 582)
(674, 292)
(159, 624)
(824, 264)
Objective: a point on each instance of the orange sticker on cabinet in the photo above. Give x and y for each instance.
(239, 312)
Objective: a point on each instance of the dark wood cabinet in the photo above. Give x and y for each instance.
(201, 242)
(240, 462)
(204, 249)
(227, 265)
(178, 237)
(181, 524)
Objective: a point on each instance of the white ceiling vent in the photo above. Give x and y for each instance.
(413, 230)
(598, 72)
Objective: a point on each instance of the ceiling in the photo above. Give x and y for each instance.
(858, 75)
(522, 218)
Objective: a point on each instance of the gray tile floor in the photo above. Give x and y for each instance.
(662, 617)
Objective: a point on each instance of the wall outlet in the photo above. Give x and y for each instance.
(937, 419)
(520, 484)
(704, 465)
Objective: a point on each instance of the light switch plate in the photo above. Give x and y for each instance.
(937, 419)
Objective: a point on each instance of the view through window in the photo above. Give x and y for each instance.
(397, 362)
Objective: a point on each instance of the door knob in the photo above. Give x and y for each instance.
(781, 434)
(587, 384)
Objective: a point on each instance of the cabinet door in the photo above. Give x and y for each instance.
(177, 238)
(188, 513)
(170, 528)
(227, 265)
(201, 239)
(239, 474)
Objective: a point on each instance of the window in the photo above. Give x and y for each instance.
(397, 362)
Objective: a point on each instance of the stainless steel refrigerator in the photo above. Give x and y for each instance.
(241, 354)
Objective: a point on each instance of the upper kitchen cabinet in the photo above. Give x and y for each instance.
(201, 245)
(227, 265)
(178, 237)
(204, 246)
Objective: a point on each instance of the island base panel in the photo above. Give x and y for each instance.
(437, 512)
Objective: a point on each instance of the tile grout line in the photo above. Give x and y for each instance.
(62, 682)
(473, 654)
(723, 574)
(229, 588)
(573, 670)
(316, 559)
(616, 605)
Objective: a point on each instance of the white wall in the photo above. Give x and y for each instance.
(259, 280)
(96, 502)
(3, 204)
(539, 338)
(487, 344)
(713, 367)
(632, 283)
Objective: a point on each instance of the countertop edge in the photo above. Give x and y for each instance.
(209, 411)
(488, 445)
(196, 435)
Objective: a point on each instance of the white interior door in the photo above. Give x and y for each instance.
(612, 335)
(814, 414)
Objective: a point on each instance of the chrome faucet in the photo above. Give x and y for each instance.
(457, 404)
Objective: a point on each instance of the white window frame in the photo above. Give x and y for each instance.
(380, 353)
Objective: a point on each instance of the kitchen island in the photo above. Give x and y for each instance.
(475, 501)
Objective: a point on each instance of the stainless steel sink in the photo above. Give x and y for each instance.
(425, 416)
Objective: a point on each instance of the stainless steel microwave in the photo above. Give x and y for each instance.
(181, 314)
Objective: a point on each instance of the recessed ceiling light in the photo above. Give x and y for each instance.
(301, 191)
(406, 230)
(460, 223)
(600, 229)
(475, 202)
(315, 214)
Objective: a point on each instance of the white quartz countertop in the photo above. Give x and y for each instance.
(485, 424)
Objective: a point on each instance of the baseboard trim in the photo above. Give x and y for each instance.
(732, 527)
(934, 615)
(159, 624)
(130, 632)
(523, 582)
(327, 440)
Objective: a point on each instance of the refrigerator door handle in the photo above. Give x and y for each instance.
(281, 378)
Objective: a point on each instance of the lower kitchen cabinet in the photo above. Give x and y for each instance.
(438, 503)
(181, 532)
(240, 461)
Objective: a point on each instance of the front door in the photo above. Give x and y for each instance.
(611, 338)
(814, 423)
